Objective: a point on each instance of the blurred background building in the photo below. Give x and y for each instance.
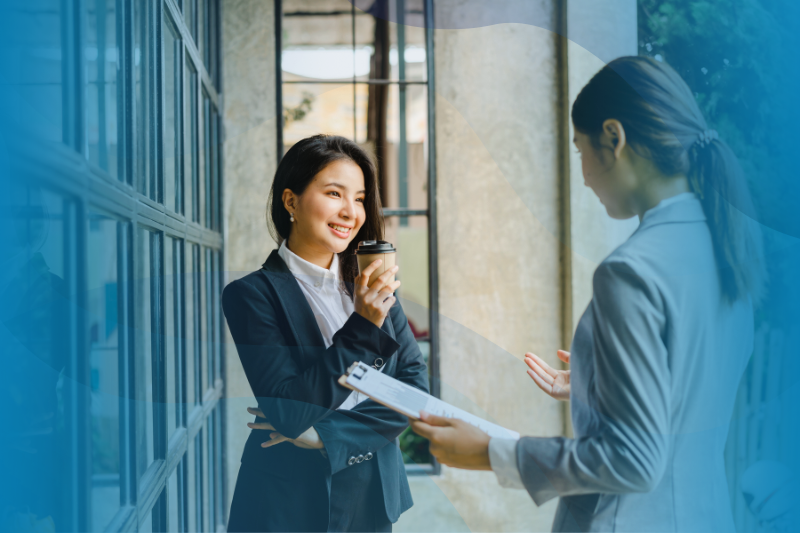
(147, 133)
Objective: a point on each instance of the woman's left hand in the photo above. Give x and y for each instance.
(454, 442)
(309, 439)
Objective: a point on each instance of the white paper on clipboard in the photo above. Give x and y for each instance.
(409, 401)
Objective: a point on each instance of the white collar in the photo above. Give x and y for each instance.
(669, 201)
(309, 272)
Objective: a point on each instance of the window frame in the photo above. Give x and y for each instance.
(84, 187)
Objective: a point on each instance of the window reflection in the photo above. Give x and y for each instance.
(102, 306)
(35, 336)
(173, 176)
(102, 91)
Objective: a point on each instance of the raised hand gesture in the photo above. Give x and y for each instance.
(554, 382)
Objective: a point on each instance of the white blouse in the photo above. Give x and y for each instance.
(327, 297)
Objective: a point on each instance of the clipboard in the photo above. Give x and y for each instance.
(409, 401)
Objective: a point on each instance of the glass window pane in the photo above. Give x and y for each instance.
(411, 241)
(173, 501)
(173, 185)
(205, 477)
(35, 82)
(172, 327)
(190, 16)
(145, 300)
(404, 177)
(37, 340)
(145, 177)
(104, 355)
(201, 29)
(189, 330)
(215, 197)
(207, 197)
(210, 316)
(218, 317)
(192, 149)
(309, 109)
(202, 192)
(191, 487)
(199, 325)
(202, 312)
(102, 90)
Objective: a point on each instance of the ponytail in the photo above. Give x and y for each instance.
(716, 177)
(663, 123)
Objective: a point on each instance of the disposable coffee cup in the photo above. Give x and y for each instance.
(369, 251)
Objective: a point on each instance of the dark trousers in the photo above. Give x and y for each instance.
(263, 501)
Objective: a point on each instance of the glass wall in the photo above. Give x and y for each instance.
(111, 271)
(361, 70)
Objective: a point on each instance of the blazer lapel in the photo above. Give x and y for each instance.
(301, 318)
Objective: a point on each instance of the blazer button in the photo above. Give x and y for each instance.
(351, 461)
(360, 459)
(368, 456)
(378, 363)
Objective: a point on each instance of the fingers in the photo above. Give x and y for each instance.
(363, 278)
(276, 437)
(544, 366)
(390, 288)
(540, 382)
(422, 429)
(383, 279)
(264, 425)
(434, 420)
(544, 376)
(563, 355)
(256, 411)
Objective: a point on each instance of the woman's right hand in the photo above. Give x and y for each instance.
(554, 382)
(374, 301)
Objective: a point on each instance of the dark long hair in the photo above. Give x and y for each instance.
(297, 169)
(664, 124)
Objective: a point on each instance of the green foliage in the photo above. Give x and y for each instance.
(298, 112)
(732, 54)
(414, 448)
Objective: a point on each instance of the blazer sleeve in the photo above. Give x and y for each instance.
(629, 452)
(293, 399)
(369, 425)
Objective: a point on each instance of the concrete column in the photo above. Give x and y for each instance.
(248, 36)
(598, 33)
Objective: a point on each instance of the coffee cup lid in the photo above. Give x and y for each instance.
(375, 247)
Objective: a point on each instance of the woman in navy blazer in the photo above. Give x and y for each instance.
(659, 352)
(307, 465)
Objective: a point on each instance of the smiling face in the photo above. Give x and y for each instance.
(329, 213)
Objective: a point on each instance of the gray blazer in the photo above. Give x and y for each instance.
(656, 362)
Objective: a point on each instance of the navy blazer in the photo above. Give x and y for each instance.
(294, 379)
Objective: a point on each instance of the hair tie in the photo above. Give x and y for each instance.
(706, 137)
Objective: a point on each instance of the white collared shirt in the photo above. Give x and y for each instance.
(327, 297)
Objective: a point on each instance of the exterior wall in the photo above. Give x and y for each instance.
(250, 159)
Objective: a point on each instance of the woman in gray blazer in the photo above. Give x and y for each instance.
(658, 354)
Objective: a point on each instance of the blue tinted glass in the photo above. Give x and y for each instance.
(103, 101)
(102, 305)
(173, 178)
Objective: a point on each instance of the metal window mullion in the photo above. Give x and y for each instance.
(126, 358)
(433, 259)
(402, 149)
(278, 79)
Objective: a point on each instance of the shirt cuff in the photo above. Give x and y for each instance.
(503, 458)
